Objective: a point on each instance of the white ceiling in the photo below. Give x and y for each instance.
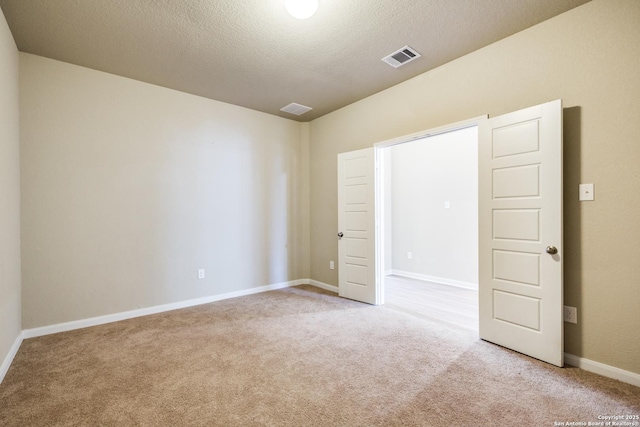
(252, 53)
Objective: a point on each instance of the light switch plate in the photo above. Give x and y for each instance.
(587, 192)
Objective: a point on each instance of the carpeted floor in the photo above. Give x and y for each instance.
(294, 357)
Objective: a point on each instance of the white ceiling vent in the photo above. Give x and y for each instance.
(296, 109)
(401, 57)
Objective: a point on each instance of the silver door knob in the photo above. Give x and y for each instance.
(552, 250)
(340, 234)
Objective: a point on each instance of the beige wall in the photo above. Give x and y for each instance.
(129, 188)
(10, 306)
(589, 58)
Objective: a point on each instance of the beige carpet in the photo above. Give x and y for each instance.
(294, 357)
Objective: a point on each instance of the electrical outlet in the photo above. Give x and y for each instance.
(409, 255)
(332, 265)
(201, 273)
(570, 314)
(587, 192)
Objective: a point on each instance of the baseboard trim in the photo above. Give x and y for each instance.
(570, 359)
(4, 368)
(435, 279)
(324, 286)
(602, 369)
(110, 318)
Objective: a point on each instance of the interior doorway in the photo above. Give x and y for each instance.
(520, 252)
(430, 226)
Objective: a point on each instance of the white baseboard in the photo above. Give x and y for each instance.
(602, 369)
(435, 279)
(324, 286)
(109, 318)
(4, 368)
(570, 359)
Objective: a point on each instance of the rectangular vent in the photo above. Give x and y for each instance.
(401, 57)
(296, 109)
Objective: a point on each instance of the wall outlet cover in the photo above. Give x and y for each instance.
(570, 314)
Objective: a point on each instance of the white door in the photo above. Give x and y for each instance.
(520, 233)
(356, 226)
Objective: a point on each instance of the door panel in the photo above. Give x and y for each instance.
(518, 267)
(518, 138)
(356, 221)
(517, 309)
(521, 181)
(516, 224)
(520, 215)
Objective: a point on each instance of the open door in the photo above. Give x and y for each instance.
(520, 231)
(357, 226)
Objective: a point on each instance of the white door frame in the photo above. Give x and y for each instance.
(379, 185)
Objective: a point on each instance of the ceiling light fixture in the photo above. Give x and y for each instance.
(301, 9)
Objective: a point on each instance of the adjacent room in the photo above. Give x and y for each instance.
(171, 250)
(431, 227)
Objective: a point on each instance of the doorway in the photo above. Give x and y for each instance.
(430, 226)
(520, 250)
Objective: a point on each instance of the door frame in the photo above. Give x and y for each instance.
(379, 187)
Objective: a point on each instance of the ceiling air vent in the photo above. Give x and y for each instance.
(401, 57)
(296, 109)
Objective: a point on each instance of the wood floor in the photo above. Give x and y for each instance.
(443, 303)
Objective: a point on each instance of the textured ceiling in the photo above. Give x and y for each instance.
(252, 53)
